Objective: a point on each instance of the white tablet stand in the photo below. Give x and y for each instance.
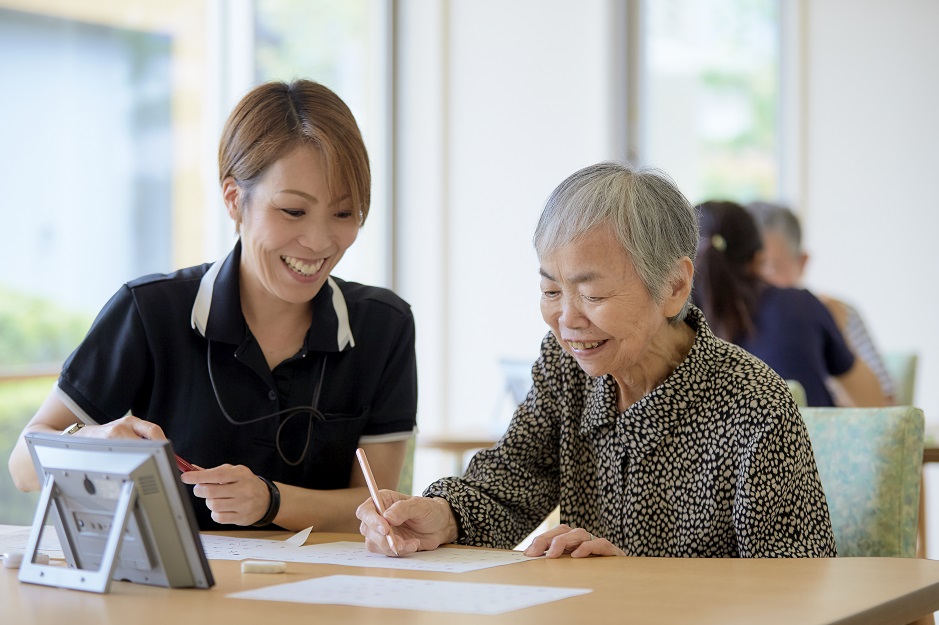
(120, 512)
(68, 577)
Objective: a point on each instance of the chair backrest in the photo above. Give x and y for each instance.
(902, 368)
(798, 392)
(517, 374)
(870, 463)
(406, 479)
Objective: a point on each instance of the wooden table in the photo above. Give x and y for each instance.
(625, 590)
(930, 454)
(457, 445)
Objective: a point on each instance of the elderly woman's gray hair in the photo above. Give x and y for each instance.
(656, 225)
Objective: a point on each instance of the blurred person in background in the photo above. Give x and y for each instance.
(790, 329)
(784, 261)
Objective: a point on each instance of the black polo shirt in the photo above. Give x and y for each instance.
(148, 352)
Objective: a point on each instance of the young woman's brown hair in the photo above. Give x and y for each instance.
(275, 117)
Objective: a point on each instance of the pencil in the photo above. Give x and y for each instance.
(373, 490)
(183, 465)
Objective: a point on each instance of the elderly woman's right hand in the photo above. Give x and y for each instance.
(417, 523)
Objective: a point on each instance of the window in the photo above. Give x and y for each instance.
(710, 96)
(87, 112)
(91, 125)
(110, 120)
(351, 57)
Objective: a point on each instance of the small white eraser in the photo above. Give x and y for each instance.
(255, 566)
(13, 559)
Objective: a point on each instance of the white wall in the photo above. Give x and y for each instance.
(497, 102)
(871, 160)
(871, 122)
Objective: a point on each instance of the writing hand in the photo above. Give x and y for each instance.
(421, 523)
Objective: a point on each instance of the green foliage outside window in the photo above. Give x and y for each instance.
(33, 331)
(712, 96)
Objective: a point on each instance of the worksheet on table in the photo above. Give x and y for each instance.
(412, 594)
(444, 560)
(13, 539)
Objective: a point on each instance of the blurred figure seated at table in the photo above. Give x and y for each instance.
(783, 265)
(789, 329)
(654, 436)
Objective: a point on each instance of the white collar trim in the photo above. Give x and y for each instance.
(200, 310)
(344, 335)
(203, 304)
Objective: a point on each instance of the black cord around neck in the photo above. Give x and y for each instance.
(312, 410)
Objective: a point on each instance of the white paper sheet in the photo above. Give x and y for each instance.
(13, 539)
(412, 594)
(444, 560)
(299, 538)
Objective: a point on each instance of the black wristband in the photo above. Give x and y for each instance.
(273, 507)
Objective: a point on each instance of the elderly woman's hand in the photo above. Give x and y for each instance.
(416, 523)
(579, 543)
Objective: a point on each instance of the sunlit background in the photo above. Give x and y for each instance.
(472, 110)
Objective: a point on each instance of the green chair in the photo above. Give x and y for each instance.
(870, 463)
(901, 366)
(798, 392)
(406, 480)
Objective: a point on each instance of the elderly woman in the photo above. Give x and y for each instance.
(783, 264)
(655, 437)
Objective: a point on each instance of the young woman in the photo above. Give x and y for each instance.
(264, 371)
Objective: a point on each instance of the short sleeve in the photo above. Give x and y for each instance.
(107, 371)
(394, 406)
(863, 344)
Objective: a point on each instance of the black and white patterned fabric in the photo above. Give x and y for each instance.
(715, 461)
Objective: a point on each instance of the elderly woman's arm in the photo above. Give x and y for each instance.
(780, 508)
(509, 489)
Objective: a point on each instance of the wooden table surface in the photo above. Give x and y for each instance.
(625, 590)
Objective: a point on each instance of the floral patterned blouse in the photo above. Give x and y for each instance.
(714, 462)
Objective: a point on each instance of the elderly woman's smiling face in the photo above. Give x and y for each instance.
(602, 314)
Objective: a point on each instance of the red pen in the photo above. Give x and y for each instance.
(183, 465)
(373, 490)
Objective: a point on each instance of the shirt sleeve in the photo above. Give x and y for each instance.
(509, 489)
(108, 369)
(780, 508)
(860, 340)
(394, 408)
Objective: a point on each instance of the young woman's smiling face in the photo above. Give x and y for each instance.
(293, 230)
(599, 309)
